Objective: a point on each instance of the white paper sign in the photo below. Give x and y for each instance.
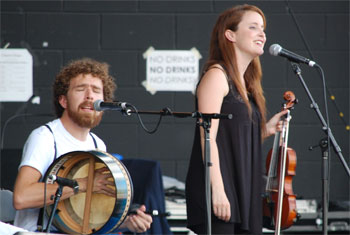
(16, 75)
(171, 70)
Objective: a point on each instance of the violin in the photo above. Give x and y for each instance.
(279, 202)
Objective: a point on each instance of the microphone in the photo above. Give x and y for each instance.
(65, 182)
(100, 105)
(277, 50)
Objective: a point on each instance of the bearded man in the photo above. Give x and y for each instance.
(75, 89)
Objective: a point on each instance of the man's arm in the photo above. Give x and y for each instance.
(29, 192)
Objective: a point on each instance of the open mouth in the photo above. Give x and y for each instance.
(87, 107)
(259, 43)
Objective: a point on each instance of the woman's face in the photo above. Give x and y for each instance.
(250, 37)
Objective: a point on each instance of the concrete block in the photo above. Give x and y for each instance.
(62, 30)
(176, 6)
(101, 6)
(125, 31)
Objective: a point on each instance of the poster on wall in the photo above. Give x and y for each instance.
(16, 75)
(171, 70)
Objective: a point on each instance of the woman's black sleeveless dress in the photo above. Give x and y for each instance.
(239, 146)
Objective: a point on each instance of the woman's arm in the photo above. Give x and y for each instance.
(210, 93)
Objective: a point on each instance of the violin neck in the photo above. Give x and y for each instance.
(272, 173)
(280, 140)
(283, 160)
(285, 130)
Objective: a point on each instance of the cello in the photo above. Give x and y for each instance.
(279, 202)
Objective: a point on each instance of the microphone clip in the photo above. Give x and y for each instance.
(126, 111)
(65, 182)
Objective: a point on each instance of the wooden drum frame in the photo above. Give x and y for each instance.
(90, 212)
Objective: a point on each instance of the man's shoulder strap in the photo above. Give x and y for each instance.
(48, 127)
(93, 138)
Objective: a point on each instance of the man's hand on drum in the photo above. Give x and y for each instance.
(101, 182)
(139, 222)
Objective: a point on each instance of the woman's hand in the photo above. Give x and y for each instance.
(221, 205)
(275, 124)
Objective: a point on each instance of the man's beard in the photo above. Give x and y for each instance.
(86, 120)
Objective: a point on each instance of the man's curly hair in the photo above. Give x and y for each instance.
(82, 66)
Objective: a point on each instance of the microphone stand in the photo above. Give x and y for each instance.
(168, 112)
(57, 198)
(205, 123)
(325, 153)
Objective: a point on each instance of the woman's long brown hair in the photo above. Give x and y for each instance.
(222, 51)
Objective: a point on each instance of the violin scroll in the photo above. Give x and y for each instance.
(289, 96)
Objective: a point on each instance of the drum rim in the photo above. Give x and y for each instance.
(116, 218)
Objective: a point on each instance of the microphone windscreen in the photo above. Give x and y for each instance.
(275, 49)
(97, 104)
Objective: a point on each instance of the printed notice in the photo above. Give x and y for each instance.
(171, 70)
(16, 75)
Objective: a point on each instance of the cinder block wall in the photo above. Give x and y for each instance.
(119, 32)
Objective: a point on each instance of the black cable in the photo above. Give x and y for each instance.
(17, 116)
(332, 97)
(44, 209)
(325, 89)
(141, 122)
(328, 128)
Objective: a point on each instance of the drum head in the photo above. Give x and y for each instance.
(91, 212)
